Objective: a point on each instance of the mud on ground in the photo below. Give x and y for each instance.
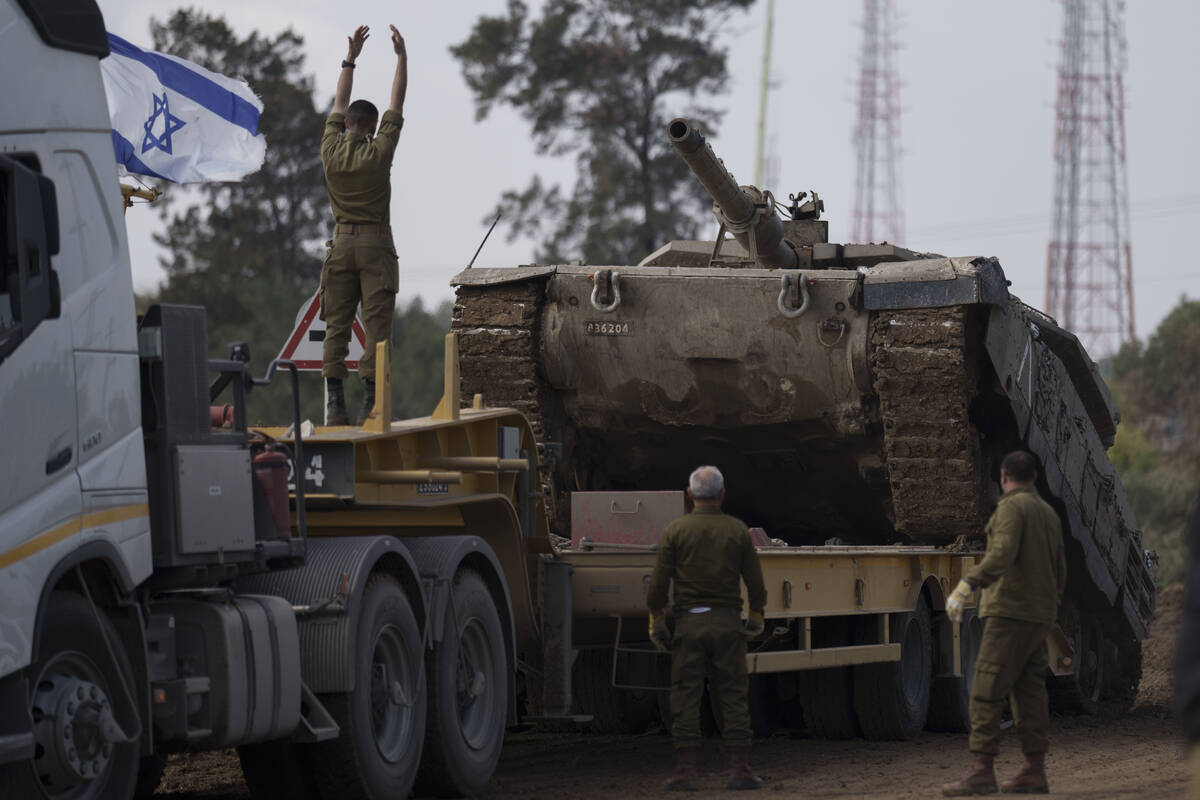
(1137, 755)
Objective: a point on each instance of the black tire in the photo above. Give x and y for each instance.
(382, 721)
(468, 693)
(613, 710)
(277, 771)
(72, 648)
(1122, 673)
(764, 705)
(150, 775)
(950, 700)
(1081, 691)
(891, 700)
(825, 697)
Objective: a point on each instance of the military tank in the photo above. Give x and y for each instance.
(851, 393)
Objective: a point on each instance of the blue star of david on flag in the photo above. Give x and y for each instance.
(171, 124)
(143, 88)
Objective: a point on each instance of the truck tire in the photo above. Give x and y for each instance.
(892, 699)
(1080, 692)
(277, 771)
(613, 710)
(150, 775)
(950, 700)
(381, 721)
(824, 696)
(73, 656)
(1122, 673)
(468, 693)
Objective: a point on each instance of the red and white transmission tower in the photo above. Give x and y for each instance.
(1089, 272)
(878, 215)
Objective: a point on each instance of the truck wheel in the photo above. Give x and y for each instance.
(276, 771)
(613, 710)
(150, 775)
(949, 703)
(379, 748)
(824, 696)
(892, 699)
(74, 692)
(1122, 673)
(764, 705)
(468, 693)
(1080, 692)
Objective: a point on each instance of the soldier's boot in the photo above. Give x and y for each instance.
(335, 403)
(740, 776)
(1031, 779)
(979, 778)
(684, 779)
(368, 400)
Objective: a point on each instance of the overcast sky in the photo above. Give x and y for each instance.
(978, 98)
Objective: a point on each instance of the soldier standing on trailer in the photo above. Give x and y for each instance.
(707, 553)
(1022, 576)
(361, 265)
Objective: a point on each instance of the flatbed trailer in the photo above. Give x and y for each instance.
(857, 641)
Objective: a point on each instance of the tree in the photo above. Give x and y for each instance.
(601, 79)
(1156, 451)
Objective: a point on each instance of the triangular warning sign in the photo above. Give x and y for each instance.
(304, 345)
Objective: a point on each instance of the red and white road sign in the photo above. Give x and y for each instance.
(303, 347)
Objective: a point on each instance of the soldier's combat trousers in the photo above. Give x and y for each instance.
(1012, 663)
(359, 267)
(709, 644)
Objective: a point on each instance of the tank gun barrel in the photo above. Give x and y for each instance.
(745, 210)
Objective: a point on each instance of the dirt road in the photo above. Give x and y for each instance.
(1138, 755)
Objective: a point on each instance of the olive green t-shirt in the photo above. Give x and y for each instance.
(1025, 568)
(707, 554)
(358, 169)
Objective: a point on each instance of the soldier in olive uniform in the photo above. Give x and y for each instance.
(1022, 576)
(706, 553)
(361, 264)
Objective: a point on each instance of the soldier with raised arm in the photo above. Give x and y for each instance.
(361, 264)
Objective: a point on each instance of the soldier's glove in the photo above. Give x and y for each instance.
(753, 624)
(659, 635)
(956, 603)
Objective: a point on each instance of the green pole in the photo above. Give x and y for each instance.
(762, 96)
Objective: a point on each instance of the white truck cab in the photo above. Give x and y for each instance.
(72, 471)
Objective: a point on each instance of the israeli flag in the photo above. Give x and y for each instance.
(178, 121)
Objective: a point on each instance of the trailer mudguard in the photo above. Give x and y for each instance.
(327, 591)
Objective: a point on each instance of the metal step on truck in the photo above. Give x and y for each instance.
(359, 611)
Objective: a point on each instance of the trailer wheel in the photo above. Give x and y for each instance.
(1080, 692)
(614, 710)
(950, 700)
(468, 693)
(74, 692)
(1122, 673)
(892, 699)
(379, 749)
(824, 696)
(276, 771)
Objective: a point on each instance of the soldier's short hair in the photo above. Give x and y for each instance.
(706, 483)
(362, 114)
(1020, 466)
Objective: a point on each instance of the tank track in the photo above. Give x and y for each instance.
(498, 354)
(497, 346)
(925, 372)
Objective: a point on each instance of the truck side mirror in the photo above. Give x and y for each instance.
(29, 236)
